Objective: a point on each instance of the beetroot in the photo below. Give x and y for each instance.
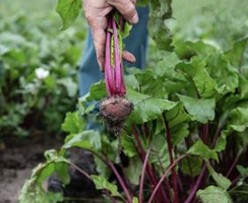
(115, 108)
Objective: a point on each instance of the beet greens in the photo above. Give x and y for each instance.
(186, 138)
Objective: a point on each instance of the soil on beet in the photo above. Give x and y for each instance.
(115, 110)
(17, 159)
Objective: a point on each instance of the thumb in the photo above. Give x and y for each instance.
(127, 9)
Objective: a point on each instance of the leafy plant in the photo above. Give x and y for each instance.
(186, 139)
(38, 75)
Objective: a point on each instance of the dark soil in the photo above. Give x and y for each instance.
(18, 156)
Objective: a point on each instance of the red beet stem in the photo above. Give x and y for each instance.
(108, 68)
(113, 72)
(117, 58)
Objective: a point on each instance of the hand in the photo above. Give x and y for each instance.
(96, 12)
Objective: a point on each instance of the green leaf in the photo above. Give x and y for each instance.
(33, 191)
(56, 163)
(224, 74)
(156, 88)
(135, 200)
(54, 197)
(101, 168)
(45, 171)
(237, 122)
(213, 194)
(89, 139)
(221, 181)
(236, 54)
(166, 65)
(150, 109)
(73, 123)
(110, 148)
(179, 133)
(177, 115)
(127, 29)
(132, 81)
(159, 155)
(195, 71)
(62, 171)
(68, 11)
(160, 10)
(142, 3)
(101, 183)
(192, 165)
(243, 171)
(221, 142)
(134, 170)
(239, 119)
(136, 97)
(203, 48)
(97, 92)
(128, 145)
(202, 110)
(243, 87)
(202, 150)
(147, 108)
(217, 66)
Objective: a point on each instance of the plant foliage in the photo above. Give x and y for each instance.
(188, 132)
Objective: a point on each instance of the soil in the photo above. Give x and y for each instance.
(18, 156)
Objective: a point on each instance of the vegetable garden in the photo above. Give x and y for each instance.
(186, 137)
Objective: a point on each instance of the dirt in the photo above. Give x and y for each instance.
(18, 156)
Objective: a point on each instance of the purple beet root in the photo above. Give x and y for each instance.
(115, 110)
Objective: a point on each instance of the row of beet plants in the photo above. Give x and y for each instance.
(186, 138)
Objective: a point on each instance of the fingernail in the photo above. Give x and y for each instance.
(135, 19)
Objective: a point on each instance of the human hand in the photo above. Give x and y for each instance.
(96, 12)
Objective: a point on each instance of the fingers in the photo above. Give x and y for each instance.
(127, 9)
(99, 37)
(96, 12)
(96, 16)
(98, 26)
(128, 57)
(133, 1)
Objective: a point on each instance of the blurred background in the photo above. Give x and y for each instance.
(38, 85)
(38, 72)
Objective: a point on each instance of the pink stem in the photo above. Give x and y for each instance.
(128, 195)
(108, 67)
(117, 57)
(113, 72)
(143, 176)
(196, 185)
(163, 177)
(170, 149)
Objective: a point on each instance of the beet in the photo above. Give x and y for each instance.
(116, 108)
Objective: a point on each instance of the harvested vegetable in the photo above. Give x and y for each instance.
(115, 108)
